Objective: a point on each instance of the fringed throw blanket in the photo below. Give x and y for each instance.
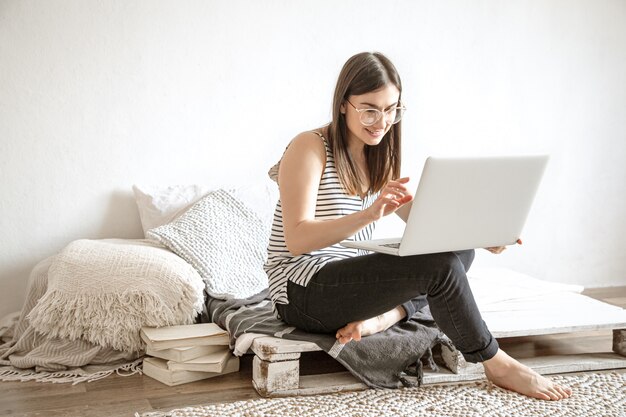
(104, 292)
(89, 303)
(31, 356)
(390, 359)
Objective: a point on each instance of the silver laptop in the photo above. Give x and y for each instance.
(466, 203)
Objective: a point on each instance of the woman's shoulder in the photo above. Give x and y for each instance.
(315, 135)
(306, 149)
(309, 141)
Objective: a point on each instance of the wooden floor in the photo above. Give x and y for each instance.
(123, 396)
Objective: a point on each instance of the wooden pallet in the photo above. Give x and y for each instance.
(276, 365)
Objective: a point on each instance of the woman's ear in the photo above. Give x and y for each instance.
(342, 108)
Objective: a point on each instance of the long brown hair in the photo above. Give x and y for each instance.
(364, 73)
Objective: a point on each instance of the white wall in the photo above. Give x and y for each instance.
(98, 95)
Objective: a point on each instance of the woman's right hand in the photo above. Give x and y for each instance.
(394, 195)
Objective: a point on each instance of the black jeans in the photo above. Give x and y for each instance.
(363, 287)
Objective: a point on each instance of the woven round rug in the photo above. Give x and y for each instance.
(594, 394)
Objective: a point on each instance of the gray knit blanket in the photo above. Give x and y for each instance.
(390, 359)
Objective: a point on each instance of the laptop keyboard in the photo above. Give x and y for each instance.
(391, 245)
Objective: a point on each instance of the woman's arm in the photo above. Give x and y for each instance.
(299, 176)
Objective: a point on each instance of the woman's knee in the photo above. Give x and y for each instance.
(450, 271)
(466, 257)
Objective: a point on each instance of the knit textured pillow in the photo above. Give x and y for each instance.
(224, 241)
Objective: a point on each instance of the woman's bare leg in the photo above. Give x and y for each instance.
(357, 329)
(508, 373)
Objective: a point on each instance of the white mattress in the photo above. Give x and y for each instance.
(515, 304)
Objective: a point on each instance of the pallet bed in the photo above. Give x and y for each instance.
(276, 364)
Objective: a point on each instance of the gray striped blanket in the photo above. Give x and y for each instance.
(390, 359)
(31, 356)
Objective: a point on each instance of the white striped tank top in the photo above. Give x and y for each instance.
(332, 202)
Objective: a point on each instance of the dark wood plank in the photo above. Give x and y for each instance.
(33, 390)
(95, 409)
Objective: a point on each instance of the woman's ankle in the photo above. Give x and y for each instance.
(391, 317)
(499, 364)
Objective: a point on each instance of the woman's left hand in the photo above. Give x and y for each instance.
(499, 249)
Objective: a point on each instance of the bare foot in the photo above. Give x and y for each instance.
(506, 372)
(357, 329)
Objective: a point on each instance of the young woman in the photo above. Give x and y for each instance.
(335, 182)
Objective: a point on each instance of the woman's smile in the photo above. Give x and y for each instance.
(375, 133)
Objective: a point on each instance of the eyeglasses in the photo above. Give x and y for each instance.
(369, 117)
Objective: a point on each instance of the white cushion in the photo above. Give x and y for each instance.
(224, 240)
(159, 205)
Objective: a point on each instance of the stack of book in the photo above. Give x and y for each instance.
(180, 354)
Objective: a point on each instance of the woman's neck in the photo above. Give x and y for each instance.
(356, 148)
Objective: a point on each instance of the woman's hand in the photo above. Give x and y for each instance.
(499, 249)
(393, 196)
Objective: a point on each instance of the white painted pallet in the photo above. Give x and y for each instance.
(276, 365)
